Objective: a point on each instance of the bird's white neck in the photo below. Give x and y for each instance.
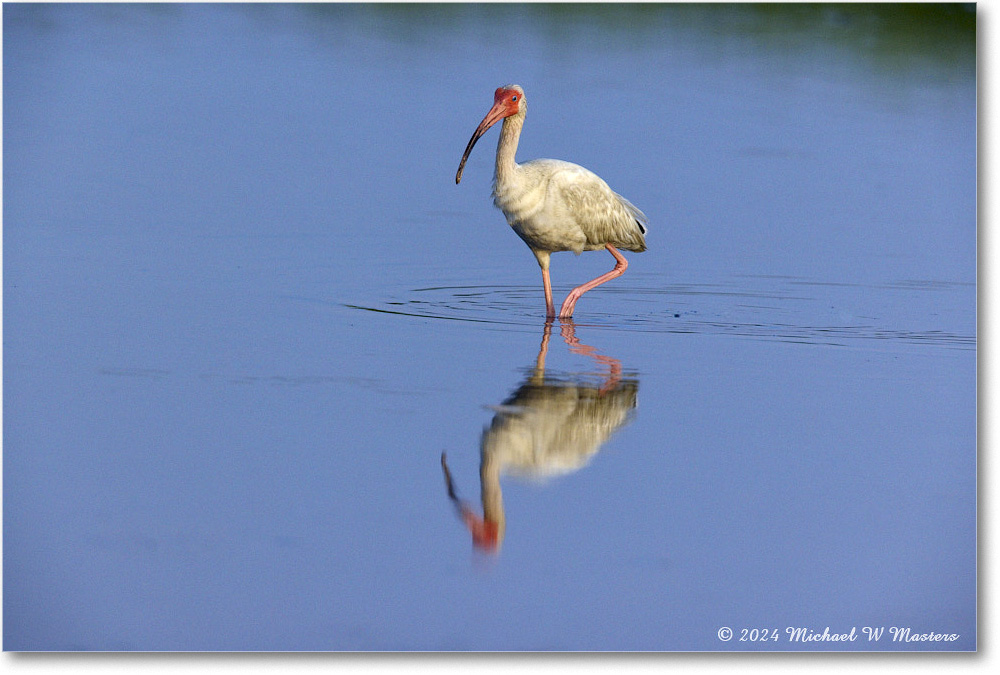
(510, 132)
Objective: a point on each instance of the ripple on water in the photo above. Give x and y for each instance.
(781, 309)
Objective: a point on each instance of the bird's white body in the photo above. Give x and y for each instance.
(559, 206)
(554, 205)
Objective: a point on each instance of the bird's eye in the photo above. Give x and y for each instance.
(514, 97)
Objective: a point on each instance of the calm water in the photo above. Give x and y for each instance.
(246, 310)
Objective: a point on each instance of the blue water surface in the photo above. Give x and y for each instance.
(246, 309)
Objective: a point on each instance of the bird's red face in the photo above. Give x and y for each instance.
(507, 101)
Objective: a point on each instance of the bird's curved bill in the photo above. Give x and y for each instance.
(495, 114)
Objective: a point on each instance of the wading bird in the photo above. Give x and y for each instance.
(555, 205)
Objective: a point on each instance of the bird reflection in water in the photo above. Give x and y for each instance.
(548, 426)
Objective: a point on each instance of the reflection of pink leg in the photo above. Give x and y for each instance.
(614, 365)
(620, 267)
(544, 349)
(550, 309)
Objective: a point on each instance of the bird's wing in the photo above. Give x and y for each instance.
(640, 217)
(604, 216)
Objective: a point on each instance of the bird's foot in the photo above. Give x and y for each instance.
(566, 312)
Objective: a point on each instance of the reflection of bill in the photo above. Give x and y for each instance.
(547, 427)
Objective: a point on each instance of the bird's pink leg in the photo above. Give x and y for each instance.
(570, 302)
(550, 309)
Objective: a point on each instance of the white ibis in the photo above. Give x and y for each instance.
(555, 205)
